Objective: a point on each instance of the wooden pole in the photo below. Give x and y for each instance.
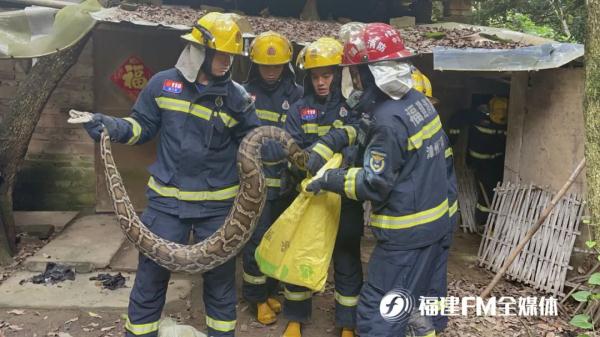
(511, 258)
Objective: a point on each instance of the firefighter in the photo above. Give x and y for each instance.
(201, 116)
(485, 148)
(321, 112)
(404, 174)
(439, 282)
(271, 83)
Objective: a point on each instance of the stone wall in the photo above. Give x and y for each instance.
(58, 173)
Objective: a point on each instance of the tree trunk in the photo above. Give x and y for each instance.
(592, 112)
(17, 127)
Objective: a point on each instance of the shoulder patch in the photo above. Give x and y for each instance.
(174, 87)
(308, 114)
(377, 161)
(285, 105)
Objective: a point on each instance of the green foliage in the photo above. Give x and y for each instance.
(582, 296)
(594, 279)
(561, 20)
(581, 321)
(522, 23)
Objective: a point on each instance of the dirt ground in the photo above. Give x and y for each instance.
(465, 279)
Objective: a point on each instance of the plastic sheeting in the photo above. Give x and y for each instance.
(39, 31)
(545, 56)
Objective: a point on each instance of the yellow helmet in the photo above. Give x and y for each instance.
(421, 82)
(270, 48)
(324, 52)
(218, 31)
(499, 110)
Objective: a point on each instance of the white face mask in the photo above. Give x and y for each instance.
(392, 77)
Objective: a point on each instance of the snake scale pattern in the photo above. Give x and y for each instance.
(239, 225)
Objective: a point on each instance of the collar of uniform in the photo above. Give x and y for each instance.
(331, 102)
(217, 88)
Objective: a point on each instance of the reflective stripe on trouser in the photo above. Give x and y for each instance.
(439, 281)
(257, 287)
(297, 305)
(487, 176)
(347, 275)
(391, 269)
(149, 290)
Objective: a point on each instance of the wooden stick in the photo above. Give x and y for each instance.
(533, 229)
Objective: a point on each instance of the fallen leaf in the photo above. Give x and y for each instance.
(93, 314)
(45, 317)
(46, 255)
(74, 319)
(16, 312)
(93, 324)
(87, 329)
(108, 328)
(64, 334)
(15, 327)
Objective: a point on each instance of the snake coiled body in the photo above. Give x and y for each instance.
(239, 225)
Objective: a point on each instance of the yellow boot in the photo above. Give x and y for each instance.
(274, 304)
(265, 314)
(292, 330)
(347, 332)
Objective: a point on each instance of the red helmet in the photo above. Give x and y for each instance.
(375, 42)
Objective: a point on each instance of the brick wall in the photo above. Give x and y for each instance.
(58, 173)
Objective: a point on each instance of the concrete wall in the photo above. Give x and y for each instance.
(158, 49)
(546, 134)
(58, 172)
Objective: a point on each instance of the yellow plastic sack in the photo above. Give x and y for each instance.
(297, 248)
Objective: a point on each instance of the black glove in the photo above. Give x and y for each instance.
(332, 180)
(117, 127)
(273, 152)
(290, 178)
(314, 163)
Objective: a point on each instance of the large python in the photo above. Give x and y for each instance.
(239, 225)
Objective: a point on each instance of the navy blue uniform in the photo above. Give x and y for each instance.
(272, 104)
(485, 154)
(439, 280)
(308, 121)
(405, 176)
(193, 182)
